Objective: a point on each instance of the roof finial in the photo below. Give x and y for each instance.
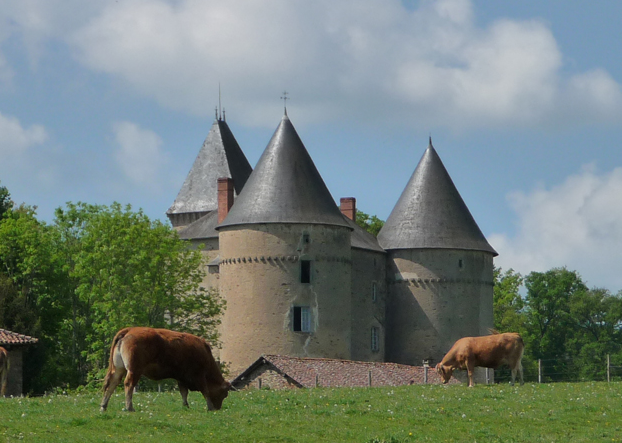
(219, 108)
(285, 98)
(224, 117)
(430, 139)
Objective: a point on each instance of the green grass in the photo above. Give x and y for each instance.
(561, 412)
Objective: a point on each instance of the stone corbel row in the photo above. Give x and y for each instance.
(260, 259)
(280, 258)
(444, 280)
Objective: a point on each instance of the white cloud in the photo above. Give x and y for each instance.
(139, 154)
(16, 139)
(577, 224)
(432, 65)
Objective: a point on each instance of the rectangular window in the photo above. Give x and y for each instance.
(302, 319)
(305, 271)
(374, 292)
(375, 339)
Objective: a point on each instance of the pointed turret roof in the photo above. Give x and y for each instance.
(219, 157)
(285, 187)
(431, 214)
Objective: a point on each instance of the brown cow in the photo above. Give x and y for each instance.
(158, 354)
(4, 370)
(490, 351)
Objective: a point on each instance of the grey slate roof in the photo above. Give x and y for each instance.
(220, 156)
(431, 214)
(361, 239)
(201, 228)
(285, 187)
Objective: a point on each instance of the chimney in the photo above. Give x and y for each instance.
(348, 207)
(225, 197)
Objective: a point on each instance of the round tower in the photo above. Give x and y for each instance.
(285, 269)
(439, 268)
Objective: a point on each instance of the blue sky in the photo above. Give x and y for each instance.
(110, 100)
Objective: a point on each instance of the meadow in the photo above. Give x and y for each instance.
(556, 412)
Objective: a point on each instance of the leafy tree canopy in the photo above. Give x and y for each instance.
(96, 269)
(370, 223)
(5, 201)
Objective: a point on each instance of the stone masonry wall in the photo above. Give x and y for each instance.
(260, 280)
(368, 269)
(436, 297)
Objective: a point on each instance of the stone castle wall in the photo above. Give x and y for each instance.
(368, 269)
(436, 296)
(260, 275)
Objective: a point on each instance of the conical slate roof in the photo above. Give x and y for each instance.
(285, 187)
(431, 214)
(219, 157)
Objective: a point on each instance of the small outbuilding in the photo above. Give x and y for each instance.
(281, 372)
(15, 344)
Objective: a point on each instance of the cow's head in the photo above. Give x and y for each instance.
(445, 372)
(217, 395)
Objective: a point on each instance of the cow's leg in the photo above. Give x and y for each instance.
(131, 380)
(111, 382)
(470, 371)
(513, 376)
(3, 383)
(520, 373)
(184, 394)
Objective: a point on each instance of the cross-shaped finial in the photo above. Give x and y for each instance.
(285, 98)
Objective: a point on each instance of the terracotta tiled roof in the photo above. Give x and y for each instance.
(13, 338)
(306, 372)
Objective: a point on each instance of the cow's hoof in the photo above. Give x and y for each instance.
(102, 409)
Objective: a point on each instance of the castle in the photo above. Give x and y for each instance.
(301, 278)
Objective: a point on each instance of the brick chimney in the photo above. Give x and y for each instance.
(348, 207)
(225, 197)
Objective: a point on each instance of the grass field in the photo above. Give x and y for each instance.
(568, 412)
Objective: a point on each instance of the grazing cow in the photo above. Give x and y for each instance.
(490, 351)
(158, 354)
(4, 370)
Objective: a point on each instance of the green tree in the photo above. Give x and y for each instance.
(597, 315)
(549, 321)
(370, 223)
(5, 201)
(127, 270)
(30, 278)
(508, 304)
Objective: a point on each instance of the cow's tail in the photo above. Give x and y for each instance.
(522, 346)
(115, 342)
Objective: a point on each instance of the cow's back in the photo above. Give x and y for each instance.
(495, 350)
(161, 353)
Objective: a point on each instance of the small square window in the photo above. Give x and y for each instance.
(302, 319)
(305, 271)
(375, 339)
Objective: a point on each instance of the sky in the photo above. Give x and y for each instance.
(110, 100)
